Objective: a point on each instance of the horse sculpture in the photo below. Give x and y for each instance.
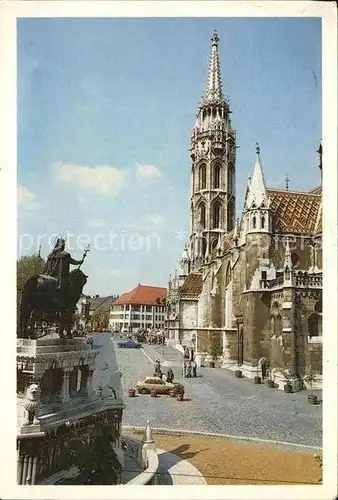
(42, 300)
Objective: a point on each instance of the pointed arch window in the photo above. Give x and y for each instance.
(214, 243)
(217, 176)
(204, 246)
(263, 222)
(254, 222)
(203, 176)
(216, 215)
(202, 215)
(231, 213)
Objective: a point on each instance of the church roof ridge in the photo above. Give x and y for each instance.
(289, 191)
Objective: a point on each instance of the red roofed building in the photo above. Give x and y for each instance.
(143, 308)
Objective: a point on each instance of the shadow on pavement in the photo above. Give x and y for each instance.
(181, 452)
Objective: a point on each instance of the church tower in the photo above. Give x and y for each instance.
(213, 151)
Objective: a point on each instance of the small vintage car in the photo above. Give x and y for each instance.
(129, 344)
(156, 384)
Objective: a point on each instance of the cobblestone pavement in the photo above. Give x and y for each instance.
(216, 401)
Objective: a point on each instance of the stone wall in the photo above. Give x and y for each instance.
(256, 324)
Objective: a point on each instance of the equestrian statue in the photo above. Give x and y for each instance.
(51, 297)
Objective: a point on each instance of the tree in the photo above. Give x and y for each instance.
(100, 321)
(93, 454)
(26, 267)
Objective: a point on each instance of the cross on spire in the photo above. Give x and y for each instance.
(287, 180)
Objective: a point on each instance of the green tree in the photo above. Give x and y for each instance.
(100, 321)
(26, 267)
(93, 454)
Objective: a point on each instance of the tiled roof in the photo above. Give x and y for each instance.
(142, 295)
(101, 304)
(294, 212)
(316, 190)
(192, 286)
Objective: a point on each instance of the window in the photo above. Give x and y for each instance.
(216, 215)
(318, 307)
(203, 176)
(263, 222)
(264, 275)
(217, 176)
(294, 259)
(254, 222)
(204, 246)
(202, 215)
(315, 325)
(276, 325)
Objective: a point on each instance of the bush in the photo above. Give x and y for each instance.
(92, 453)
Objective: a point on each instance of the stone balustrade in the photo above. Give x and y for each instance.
(144, 454)
(305, 280)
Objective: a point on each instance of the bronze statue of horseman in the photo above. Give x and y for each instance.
(51, 296)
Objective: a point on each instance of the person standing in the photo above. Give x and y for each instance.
(189, 369)
(194, 369)
(157, 366)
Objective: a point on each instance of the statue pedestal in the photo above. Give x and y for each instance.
(64, 370)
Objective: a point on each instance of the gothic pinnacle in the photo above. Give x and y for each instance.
(213, 92)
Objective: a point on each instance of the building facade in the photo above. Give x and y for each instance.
(252, 287)
(143, 308)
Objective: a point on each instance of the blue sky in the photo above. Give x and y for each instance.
(105, 109)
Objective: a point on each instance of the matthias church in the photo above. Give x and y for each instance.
(246, 292)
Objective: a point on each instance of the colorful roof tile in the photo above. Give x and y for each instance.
(192, 286)
(294, 212)
(143, 295)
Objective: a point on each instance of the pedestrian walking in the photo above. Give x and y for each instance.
(157, 366)
(170, 375)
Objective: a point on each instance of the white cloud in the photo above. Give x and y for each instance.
(106, 179)
(26, 199)
(152, 222)
(96, 222)
(147, 172)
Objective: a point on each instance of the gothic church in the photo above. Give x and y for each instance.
(249, 291)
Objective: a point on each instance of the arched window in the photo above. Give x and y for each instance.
(254, 222)
(318, 306)
(276, 325)
(294, 259)
(217, 176)
(203, 176)
(202, 215)
(204, 246)
(216, 215)
(230, 217)
(263, 222)
(315, 325)
(214, 243)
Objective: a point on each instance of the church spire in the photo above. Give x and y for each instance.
(213, 92)
(257, 190)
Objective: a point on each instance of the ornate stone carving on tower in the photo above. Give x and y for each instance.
(213, 152)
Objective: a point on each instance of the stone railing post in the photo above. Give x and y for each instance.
(65, 397)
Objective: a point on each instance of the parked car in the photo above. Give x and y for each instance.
(156, 384)
(130, 344)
